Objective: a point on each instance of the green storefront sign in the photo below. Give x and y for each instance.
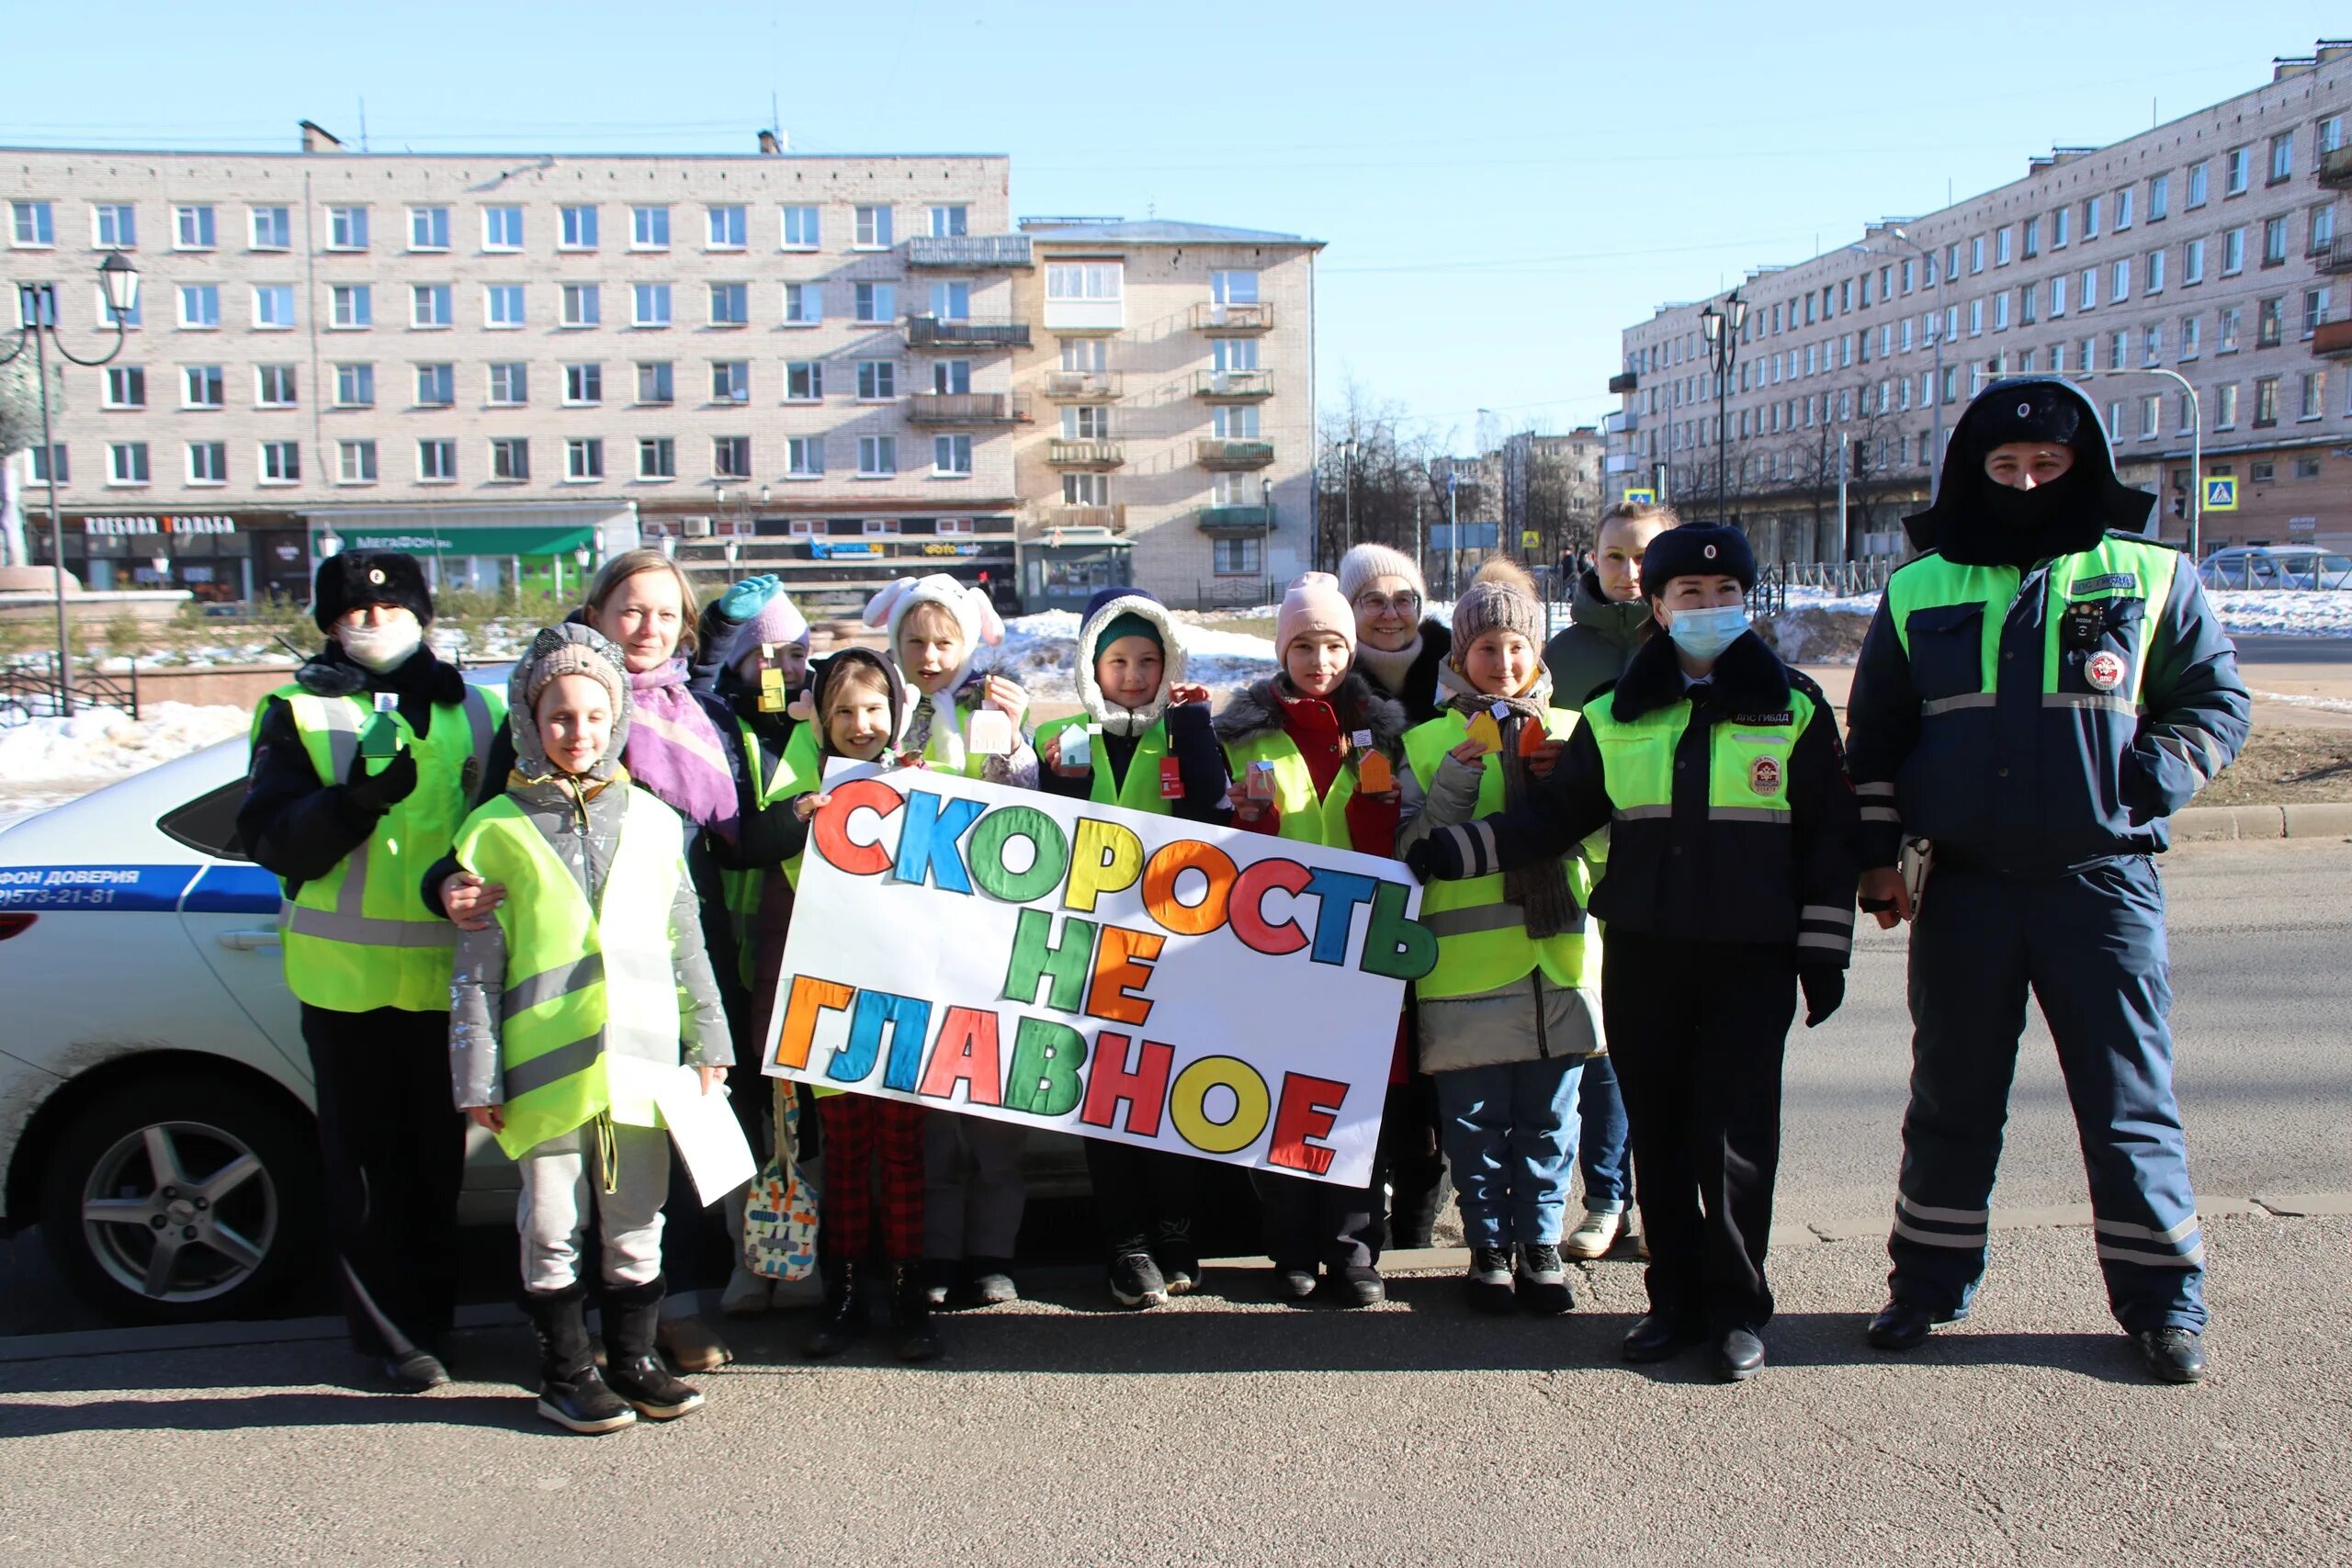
(513, 541)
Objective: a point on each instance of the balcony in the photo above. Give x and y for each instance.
(2335, 257)
(1095, 456)
(1053, 520)
(1624, 381)
(968, 407)
(1082, 385)
(1233, 385)
(2333, 340)
(1214, 452)
(934, 332)
(2336, 168)
(1233, 321)
(969, 253)
(1236, 519)
(1620, 422)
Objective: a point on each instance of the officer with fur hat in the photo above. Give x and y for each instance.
(362, 769)
(2038, 693)
(1715, 768)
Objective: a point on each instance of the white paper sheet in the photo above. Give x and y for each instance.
(708, 1137)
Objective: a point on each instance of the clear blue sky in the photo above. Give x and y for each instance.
(1502, 187)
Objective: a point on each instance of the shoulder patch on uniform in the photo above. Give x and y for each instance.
(2084, 586)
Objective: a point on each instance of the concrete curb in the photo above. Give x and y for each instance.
(1408, 1260)
(2300, 819)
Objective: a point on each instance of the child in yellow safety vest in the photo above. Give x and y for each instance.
(873, 1195)
(971, 724)
(1313, 753)
(1142, 741)
(1513, 1008)
(567, 1015)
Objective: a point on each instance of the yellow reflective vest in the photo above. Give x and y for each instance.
(1301, 815)
(1141, 790)
(592, 1014)
(360, 936)
(799, 771)
(1481, 940)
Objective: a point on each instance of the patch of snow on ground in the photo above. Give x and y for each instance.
(45, 761)
(2282, 612)
(1041, 652)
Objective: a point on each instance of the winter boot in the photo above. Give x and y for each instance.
(632, 1370)
(1179, 1259)
(1542, 1280)
(570, 1393)
(1135, 1280)
(989, 1282)
(1486, 1287)
(841, 1318)
(910, 1314)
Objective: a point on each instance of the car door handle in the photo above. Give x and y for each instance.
(248, 941)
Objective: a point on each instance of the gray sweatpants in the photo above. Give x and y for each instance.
(972, 1189)
(563, 1183)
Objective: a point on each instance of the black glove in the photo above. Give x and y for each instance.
(378, 793)
(1437, 858)
(1824, 987)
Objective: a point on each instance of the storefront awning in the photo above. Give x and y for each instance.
(541, 540)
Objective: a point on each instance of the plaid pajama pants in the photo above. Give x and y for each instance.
(859, 1130)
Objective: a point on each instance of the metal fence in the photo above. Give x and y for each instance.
(29, 689)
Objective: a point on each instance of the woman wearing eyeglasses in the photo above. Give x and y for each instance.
(1401, 652)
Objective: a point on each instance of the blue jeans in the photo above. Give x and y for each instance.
(1509, 1131)
(1604, 1154)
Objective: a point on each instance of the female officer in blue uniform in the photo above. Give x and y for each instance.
(2039, 692)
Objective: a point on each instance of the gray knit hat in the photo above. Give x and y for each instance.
(569, 648)
(1500, 595)
(1366, 561)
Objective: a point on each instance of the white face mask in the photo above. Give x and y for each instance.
(384, 648)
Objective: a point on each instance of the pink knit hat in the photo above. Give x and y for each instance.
(1313, 603)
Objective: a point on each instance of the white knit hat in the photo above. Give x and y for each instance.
(1364, 563)
(969, 604)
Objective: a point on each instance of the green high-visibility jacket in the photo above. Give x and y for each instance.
(798, 771)
(1141, 790)
(360, 936)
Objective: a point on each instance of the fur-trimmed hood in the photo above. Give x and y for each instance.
(824, 672)
(971, 606)
(1100, 611)
(1960, 525)
(1258, 708)
(1749, 677)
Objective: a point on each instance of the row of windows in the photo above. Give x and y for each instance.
(196, 226)
(509, 383)
(280, 462)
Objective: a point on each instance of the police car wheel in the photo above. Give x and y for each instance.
(179, 1199)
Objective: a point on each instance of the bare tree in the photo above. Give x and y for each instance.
(20, 432)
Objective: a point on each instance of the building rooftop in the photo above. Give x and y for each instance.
(1154, 232)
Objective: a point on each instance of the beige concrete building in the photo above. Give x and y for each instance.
(508, 363)
(2210, 248)
(1171, 367)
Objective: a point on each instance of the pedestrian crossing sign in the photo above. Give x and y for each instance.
(1640, 498)
(2222, 495)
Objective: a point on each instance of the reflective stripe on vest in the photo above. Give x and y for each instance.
(360, 936)
(1141, 790)
(1301, 816)
(2113, 569)
(592, 1014)
(1748, 763)
(1481, 940)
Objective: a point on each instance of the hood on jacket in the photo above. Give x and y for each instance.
(971, 606)
(1747, 678)
(1106, 606)
(1963, 525)
(582, 649)
(1258, 708)
(1622, 623)
(829, 669)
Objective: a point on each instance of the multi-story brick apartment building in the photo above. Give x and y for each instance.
(516, 363)
(2209, 247)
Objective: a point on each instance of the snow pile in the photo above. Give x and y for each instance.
(1041, 652)
(2282, 612)
(47, 760)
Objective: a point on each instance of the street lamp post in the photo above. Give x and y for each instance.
(36, 305)
(1721, 328)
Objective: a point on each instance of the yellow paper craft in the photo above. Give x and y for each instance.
(1486, 733)
(1374, 775)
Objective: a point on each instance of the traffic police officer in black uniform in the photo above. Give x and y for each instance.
(2038, 693)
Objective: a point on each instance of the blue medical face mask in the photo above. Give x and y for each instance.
(1704, 634)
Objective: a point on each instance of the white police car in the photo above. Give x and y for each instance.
(155, 1101)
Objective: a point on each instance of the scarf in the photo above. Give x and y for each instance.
(420, 681)
(1539, 891)
(675, 750)
(1387, 669)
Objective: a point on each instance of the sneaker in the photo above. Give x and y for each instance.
(416, 1372)
(1488, 1285)
(1135, 1280)
(939, 1276)
(1541, 1282)
(1179, 1260)
(2172, 1355)
(991, 1282)
(1594, 1235)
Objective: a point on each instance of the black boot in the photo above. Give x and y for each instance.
(632, 1313)
(841, 1318)
(570, 1393)
(910, 1314)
